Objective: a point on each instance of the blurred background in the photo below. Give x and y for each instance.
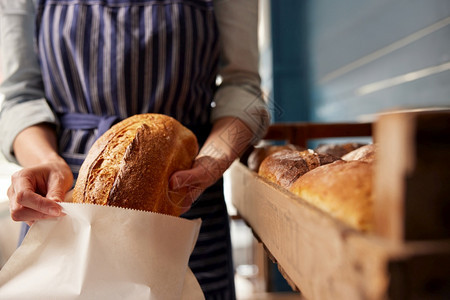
(326, 61)
(347, 60)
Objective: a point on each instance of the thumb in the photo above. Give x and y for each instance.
(175, 180)
(55, 191)
(178, 191)
(183, 178)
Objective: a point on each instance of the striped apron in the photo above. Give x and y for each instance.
(105, 60)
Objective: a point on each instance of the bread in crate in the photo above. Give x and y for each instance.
(286, 166)
(341, 187)
(260, 153)
(338, 149)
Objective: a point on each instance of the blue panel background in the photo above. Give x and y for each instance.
(290, 60)
(312, 39)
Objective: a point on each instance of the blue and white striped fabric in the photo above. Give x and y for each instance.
(120, 58)
(105, 60)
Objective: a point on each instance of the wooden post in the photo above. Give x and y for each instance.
(412, 180)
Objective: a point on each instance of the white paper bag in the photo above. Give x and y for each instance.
(101, 252)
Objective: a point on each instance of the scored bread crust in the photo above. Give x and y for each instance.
(130, 165)
(365, 153)
(259, 154)
(343, 189)
(286, 166)
(338, 150)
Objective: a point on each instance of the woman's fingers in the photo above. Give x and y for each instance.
(55, 187)
(27, 191)
(68, 196)
(27, 205)
(201, 175)
(184, 187)
(187, 185)
(28, 215)
(38, 203)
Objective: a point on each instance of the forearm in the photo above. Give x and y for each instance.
(239, 94)
(45, 178)
(24, 103)
(36, 145)
(228, 140)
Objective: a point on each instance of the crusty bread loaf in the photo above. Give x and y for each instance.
(366, 153)
(286, 166)
(130, 165)
(343, 189)
(337, 150)
(259, 154)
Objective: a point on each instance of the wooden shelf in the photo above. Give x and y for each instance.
(300, 133)
(324, 258)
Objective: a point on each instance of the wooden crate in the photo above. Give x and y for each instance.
(324, 258)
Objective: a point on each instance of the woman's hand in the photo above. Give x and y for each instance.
(45, 178)
(35, 191)
(227, 141)
(190, 184)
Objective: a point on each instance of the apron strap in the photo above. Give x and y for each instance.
(88, 121)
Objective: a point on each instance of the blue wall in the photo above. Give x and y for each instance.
(343, 60)
(290, 60)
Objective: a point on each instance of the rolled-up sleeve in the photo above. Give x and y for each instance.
(24, 103)
(239, 94)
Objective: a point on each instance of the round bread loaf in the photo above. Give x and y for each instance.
(130, 165)
(343, 189)
(366, 153)
(286, 166)
(259, 154)
(337, 150)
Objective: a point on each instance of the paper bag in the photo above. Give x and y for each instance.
(101, 252)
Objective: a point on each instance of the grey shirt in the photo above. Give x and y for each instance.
(24, 102)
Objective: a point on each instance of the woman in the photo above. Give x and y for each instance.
(97, 62)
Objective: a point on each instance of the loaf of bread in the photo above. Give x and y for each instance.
(337, 150)
(365, 153)
(343, 189)
(260, 153)
(130, 165)
(286, 166)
